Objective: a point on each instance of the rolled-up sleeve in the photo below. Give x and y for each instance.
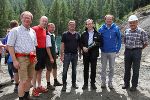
(12, 37)
(48, 41)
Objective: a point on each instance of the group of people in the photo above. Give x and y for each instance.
(33, 49)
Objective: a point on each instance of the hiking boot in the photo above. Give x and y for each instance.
(103, 85)
(132, 89)
(16, 89)
(110, 85)
(50, 87)
(56, 83)
(74, 86)
(125, 86)
(64, 88)
(85, 86)
(93, 86)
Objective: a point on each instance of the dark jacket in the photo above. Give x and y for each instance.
(94, 50)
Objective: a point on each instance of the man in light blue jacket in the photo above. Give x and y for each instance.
(111, 39)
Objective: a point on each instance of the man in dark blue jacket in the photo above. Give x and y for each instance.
(111, 38)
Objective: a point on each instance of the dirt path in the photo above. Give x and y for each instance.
(143, 92)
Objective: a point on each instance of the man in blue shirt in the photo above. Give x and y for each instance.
(11, 69)
(111, 39)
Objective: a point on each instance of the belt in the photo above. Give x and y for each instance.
(31, 56)
(133, 48)
(71, 53)
(22, 54)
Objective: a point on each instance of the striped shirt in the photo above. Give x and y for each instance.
(22, 39)
(135, 39)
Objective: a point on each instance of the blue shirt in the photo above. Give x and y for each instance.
(9, 60)
(90, 40)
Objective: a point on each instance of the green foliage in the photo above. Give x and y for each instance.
(6, 15)
(54, 14)
(37, 8)
(60, 12)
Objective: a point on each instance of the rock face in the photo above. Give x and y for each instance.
(145, 22)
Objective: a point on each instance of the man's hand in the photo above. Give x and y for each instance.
(62, 57)
(35, 60)
(85, 49)
(52, 60)
(16, 64)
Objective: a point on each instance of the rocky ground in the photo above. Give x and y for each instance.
(118, 93)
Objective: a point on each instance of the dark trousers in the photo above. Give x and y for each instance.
(73, 58)
(10, 69)
(132, 60)
(89, 62)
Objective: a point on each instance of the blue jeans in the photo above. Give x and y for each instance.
(10, 70)
(73, 58)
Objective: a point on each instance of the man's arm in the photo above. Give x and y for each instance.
(119, 41)
(144, 39)
(50, 54)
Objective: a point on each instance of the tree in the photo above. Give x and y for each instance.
(64, 17)
(6, 15)
(54, 14)
(37, 8)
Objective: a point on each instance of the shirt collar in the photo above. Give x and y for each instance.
(135, 29)
(24, 28)
(110, 26)
(50, 33)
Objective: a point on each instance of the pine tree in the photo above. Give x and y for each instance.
(6, 15)
(64, 17)
(54, 14)
(37, 8)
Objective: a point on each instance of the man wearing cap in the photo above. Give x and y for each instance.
(135, 39)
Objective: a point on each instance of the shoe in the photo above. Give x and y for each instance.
(50, 87)
(29, 98)
(64, 88)
(12, 80)
(110, 85)
(125, 86)
(1, 91)
(133, 89)
(74, 86)
(103, 85)
(16, 89)
(35, 93)
(85, 86)
(41, 89)
(93, 86)
(56, 83)
(1, 85)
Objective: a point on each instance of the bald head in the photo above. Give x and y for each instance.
(43, 21)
